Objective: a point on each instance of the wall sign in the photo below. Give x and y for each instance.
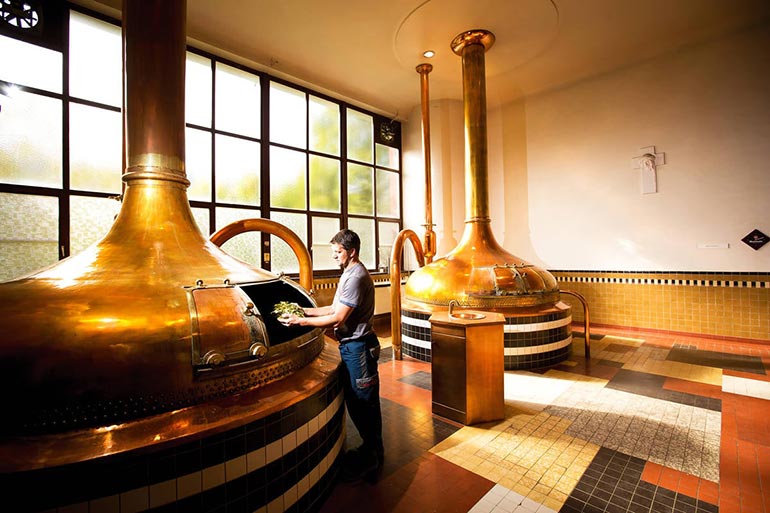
(756, 239)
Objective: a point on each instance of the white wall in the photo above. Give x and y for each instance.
(708, 109)
(563, 193)
(447, 177)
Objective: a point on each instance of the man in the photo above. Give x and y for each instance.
(351, 314)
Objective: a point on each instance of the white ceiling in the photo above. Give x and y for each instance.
(366, 51)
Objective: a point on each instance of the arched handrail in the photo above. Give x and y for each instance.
(280, 231)
(586, 321)
(395, 283)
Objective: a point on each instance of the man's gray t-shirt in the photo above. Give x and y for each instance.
(356, 290)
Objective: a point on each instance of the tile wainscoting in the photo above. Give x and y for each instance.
(720, 304)
(735, 305)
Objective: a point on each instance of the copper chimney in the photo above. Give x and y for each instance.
(153, 317)
(479, 273)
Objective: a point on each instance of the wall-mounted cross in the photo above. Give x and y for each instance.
(649, 162)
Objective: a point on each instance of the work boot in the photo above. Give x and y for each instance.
(358, 464)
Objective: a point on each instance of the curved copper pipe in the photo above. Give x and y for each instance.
(395, 283)
(279, 230)
(586, 321)
(430, 235)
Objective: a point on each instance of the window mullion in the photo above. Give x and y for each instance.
(264, 169)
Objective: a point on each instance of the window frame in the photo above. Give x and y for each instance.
(264, 208)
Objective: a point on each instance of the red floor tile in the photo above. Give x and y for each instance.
(652, 472)
(708, 491)
(692, 387)
(688, 485)
(427, 484)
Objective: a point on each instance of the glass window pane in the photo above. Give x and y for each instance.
(237, 170)
(365, 230)
(31, 140)
(388, 200)
(198, 164)
(282, 257)
(95, 60)
(387, 235)
(15, 65)
(90, 220)
(237, 101)
(387, 156)
(324, 229)
(360, 189)
(95, 149)
(324, 184)
(29, 238)
(202, 219)
(245, 246)
(288, 116)
(360, 136)
(324, 126)
(197, 95)
(287, 178)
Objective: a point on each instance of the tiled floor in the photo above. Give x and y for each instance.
(651, 423)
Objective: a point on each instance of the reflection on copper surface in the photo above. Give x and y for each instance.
(479, 272)
(19, 454)
(111, 335)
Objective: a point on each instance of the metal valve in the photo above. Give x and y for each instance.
(258, 350)
(214, 358)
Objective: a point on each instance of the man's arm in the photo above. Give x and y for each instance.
(331, 317)
(319, 311)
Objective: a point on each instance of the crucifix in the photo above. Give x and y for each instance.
(648, 162)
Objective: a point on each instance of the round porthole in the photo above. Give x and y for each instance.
(22, 15)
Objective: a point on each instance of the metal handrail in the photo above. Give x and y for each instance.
(586, 320)
(395, 283)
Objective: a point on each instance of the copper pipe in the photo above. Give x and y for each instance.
(280, 231)
(586, 321)
(155, 144)
(430, 236)
(479, 273)
(471, 46)
(395, 283)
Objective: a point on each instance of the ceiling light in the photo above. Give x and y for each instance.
(428, 53)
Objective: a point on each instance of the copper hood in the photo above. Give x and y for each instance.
(153, 317)
(479, 272)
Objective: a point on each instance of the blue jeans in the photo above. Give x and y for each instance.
(361, 383)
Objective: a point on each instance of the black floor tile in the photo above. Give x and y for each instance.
(406, 434)
(612, 483)
(651, 385)
(736, 362)
(420, 379)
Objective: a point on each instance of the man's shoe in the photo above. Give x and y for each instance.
(363, 452)
(359, 464)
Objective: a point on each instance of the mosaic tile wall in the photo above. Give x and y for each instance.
(720, 304)
(286, 461)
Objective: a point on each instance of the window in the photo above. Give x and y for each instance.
(256, 146)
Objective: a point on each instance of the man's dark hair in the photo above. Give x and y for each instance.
(348, 239)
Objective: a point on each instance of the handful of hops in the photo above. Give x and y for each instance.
(286, 308)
